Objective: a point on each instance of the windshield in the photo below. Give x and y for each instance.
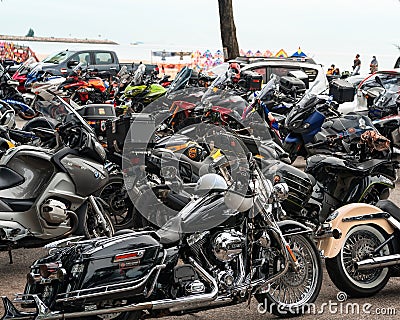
(218, 70)
(270, 86)
(62, 111)
(180, 80)
(58, 57)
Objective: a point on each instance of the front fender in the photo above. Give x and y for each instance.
(291, 227)
(370, 215)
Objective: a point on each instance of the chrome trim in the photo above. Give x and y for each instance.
(79, 294)
(378, 262)
(179, 303)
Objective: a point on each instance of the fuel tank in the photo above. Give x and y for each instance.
(87, 175)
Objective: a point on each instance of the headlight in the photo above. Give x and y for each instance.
(296, 124)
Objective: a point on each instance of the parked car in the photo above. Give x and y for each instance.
(103, 62)
(304, 69)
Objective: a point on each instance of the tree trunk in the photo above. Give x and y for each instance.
(228, 30)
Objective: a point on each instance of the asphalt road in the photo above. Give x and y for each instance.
(384, 305)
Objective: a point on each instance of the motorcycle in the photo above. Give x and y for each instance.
(10, 94)
(21, 74)
(329, 182)
(387, 103)
(137, 97)
(37, 83)
(199, 259)
(314, 126)
(362, 260)
(84, 88)
(46, 194)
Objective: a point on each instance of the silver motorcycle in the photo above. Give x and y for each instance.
(48, 194)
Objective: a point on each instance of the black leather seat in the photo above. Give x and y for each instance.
(9, 178)
(369, 165)
(390, 207)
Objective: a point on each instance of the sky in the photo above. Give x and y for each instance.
(323, 29)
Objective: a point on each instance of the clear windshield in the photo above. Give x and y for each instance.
(58, 57)
(63, 111)
(215, 86)
(269, 87)
(26, 66)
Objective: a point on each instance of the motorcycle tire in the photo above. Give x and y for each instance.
(360, 241)
(120, 207)
(308, 277)
(89, 226)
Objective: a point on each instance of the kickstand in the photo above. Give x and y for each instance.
(10, 256)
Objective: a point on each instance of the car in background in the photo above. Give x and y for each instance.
(368, 89)
(304, 69)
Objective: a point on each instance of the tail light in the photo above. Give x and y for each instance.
(48, 269)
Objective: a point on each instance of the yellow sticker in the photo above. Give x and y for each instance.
(102, 111)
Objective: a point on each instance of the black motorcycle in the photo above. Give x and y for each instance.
(224, 247)
(329, 182)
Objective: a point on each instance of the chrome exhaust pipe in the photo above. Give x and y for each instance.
(378, 262)
(179, 303)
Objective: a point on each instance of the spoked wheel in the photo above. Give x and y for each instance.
(290, 294)
(92, 226)
(121, 209)
(359, 244)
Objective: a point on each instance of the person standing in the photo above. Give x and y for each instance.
(373, 67)
(356, 65)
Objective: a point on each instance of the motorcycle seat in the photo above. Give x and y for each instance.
(342, 123)
(390, 207)
(9, 178)
(369, 165)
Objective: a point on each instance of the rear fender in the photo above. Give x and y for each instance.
(347, 217)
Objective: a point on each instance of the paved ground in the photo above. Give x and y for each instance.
(12, 280)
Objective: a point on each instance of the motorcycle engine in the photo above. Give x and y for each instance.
(54, 211)
(227, 245)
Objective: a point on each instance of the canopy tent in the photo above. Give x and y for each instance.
(281, 54)
(299, 54)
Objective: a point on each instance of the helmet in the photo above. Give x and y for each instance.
(234, 69)
(210, 182)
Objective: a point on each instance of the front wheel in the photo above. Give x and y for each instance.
(359, 244)
(120, 207)
(91, 224)
(292, 294)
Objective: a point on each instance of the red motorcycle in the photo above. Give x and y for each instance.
(84, 88)
(22, 72)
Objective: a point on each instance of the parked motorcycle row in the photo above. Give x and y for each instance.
(175, 200)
